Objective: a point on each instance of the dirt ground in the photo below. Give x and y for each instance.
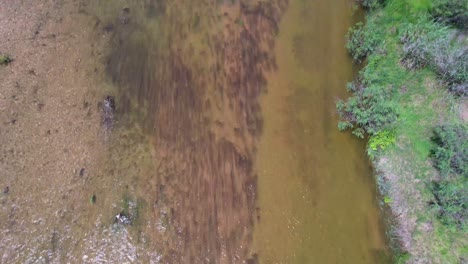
(49, 125)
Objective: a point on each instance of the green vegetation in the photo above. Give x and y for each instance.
(450, 157)
(450, 153)
(360, 41)
(92, 199)
(387, 200)
(131, 209)
(429, 44)
(407, 102)
(5, 59)
(451, 11)
(451, 202)
(381, 140)
(371, 3)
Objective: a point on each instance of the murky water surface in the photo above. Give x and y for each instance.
(223, 147)
(316, 194)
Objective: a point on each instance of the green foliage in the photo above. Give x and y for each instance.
(387, 200)
(426, 43)
(92, 199)
(451, 11)
(382, 140)
(5, 59)
(421, 5)
(372, 3)
(452, 65)
(451, 201)
(402, 258)
(450, 154)
(361, 42)
(416, 39)
(369, 110)
(389, 101)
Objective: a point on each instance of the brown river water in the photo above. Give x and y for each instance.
(223, 147)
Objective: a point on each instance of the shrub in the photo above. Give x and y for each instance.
(427, 43)
(415, 40)
(451, 11)
(360, 41)
(5, 59)
(382, 140)
(369, 110)
(451, 200)
(451, 64)
(450, 154)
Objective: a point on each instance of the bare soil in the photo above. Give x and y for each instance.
(50, 139)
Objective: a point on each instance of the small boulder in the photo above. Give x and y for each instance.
(123, 219)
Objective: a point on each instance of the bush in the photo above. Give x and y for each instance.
(379, 142)
(416, 39)
(451, 64)
(450, 154)
(369, 110)
(451, 200)
(382, 140)
(451, 11)
(361, 41)
(427, 43)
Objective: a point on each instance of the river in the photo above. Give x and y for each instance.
(316, 190)
(223, 145)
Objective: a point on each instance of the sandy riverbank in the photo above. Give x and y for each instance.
(49, 126)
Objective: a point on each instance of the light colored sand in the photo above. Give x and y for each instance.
(49, 124)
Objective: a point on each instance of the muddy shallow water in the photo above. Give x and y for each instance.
(315, 188)
(223, 147)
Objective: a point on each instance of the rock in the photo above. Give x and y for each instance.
(6, 190)
(123, 219)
